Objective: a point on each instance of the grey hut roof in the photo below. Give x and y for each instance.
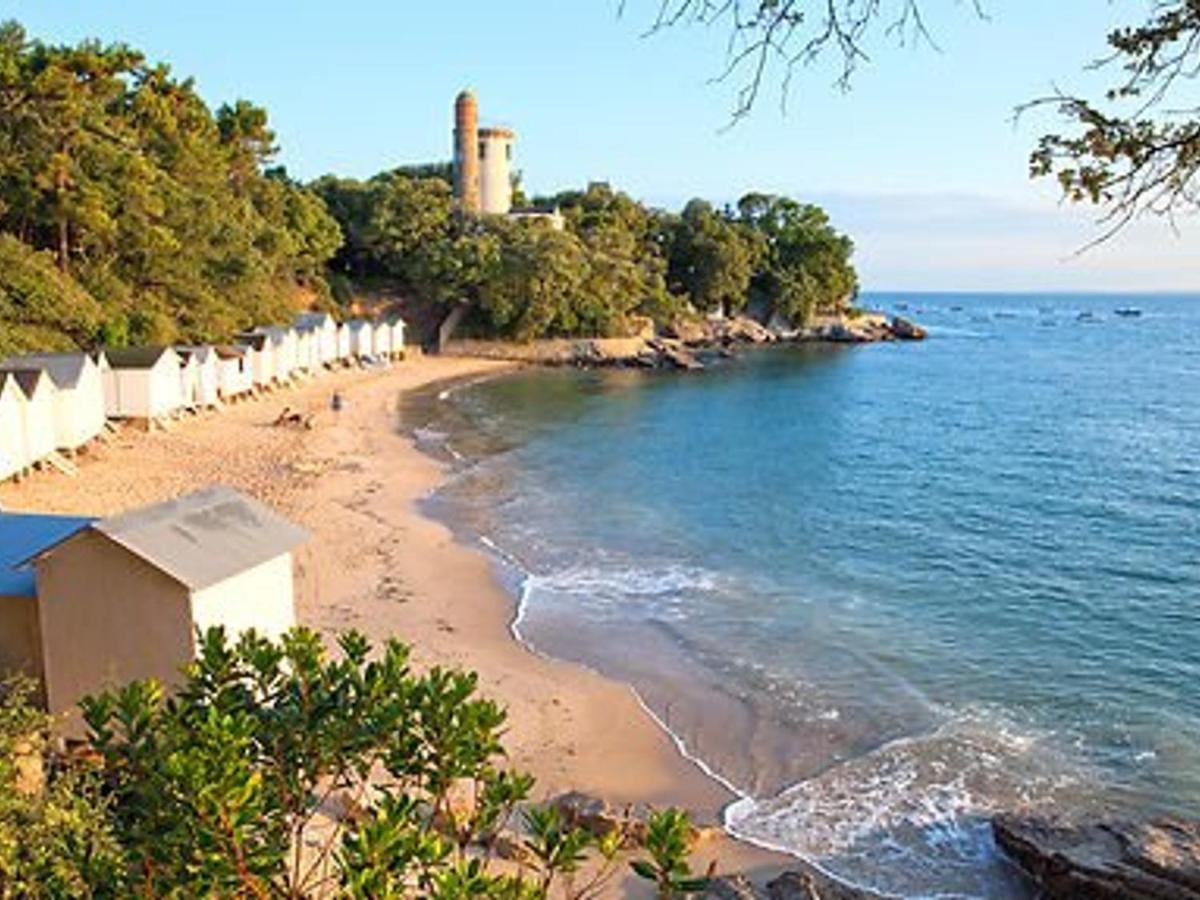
(29, 379)
(7, 378)
(135, 357)
(276, 333)
(200, 352)
(24, 535)
(64, 369)
(204, 538)
(357, 324)
(253, 339)
(312, 320)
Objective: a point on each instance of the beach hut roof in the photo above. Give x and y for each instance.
(252, 339)
(394, 318)
(229, 351)
(135, 357)
(30, 380)
(201, 352)
(25, 535)
(203, 538)
(357, 324)
(8, 381)
(64, 369)
(311, 321)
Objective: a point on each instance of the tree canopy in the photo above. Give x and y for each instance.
(160, 216)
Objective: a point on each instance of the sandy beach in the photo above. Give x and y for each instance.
(377, 565)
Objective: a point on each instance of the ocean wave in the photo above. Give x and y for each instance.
(912, 817)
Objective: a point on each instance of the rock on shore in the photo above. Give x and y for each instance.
(804, 882)
(1156, 860)
(687, 344)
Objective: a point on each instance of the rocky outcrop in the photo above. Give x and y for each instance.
(1156, 860)
(905, 330)
(810, 883)
(733, 887)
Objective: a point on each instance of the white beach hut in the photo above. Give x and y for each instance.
(397, 325)
(343, 342)
(41, 440)
(145, 383)
(382, 338)
(13, 455)
(362, 338)
(79, 394)
(262, 362)
(326, 330)
(283, 343)
(235, 371)
(205, 378)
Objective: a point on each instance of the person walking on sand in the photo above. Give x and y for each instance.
(335, 402)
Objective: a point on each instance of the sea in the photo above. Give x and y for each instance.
(882, 592)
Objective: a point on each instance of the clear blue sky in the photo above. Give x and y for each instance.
(921, 162)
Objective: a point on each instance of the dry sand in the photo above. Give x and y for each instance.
(376, 564)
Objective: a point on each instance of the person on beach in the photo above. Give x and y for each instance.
(335, 402)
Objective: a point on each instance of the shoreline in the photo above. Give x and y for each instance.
(379, 564)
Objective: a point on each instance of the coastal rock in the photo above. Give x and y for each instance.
(810, 883)
(907, 331)
(745, 330)
(1156, 860)
(595, 816)
(732, 887)
(693, 332)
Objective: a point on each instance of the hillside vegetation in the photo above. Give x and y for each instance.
(132, 213)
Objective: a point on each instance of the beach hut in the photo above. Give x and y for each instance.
(41, 440)
(306, 350)
(397, 325)
(13, 455)
(204, 380)
(145, 383)
(362, 338)
(78, 398)
(189, 378)
(235, 371)
(343, 342)
(22, 536)
(381, 339)
(169, 571)
(326, 330)
(262, 360)
(283, 344)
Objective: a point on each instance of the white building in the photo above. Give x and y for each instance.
(284, 350)
(362, 338)
(41, 437)
(204, 382)
(13, 453)
(169, 571)
(495, 165)
(235, 371)
(381, 340)
(343, 342)
(262, 360)
(326, 330)
(143, 383)
(79, 394)
(397, 326)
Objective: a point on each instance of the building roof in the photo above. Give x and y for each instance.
(357, 324)
(64, 369)
(230, 351)
(200, 353)
(30, 380)
(277, 333)
(135, 357)
(310, 320)
(204, 538)
(252, 339)
(7, 379)
(23, 536)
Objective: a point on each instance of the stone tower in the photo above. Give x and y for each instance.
(495, 169)
(466, 152)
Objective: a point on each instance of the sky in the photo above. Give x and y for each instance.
(921, 161)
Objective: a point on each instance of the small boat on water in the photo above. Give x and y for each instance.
(901, 306)
(1086, 316)
(1128, 311)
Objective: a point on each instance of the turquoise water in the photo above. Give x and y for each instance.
(883, 591)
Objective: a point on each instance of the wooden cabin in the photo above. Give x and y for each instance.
(144, 383)
(22, 536)
(343, 342)
(397, 326)
(382, 339)
(283, 343)
(212, 558)
(79, 415)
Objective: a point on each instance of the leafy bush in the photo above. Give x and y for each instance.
(278, 769)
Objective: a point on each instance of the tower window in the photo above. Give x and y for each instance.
(482, 149)
(508, 152)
